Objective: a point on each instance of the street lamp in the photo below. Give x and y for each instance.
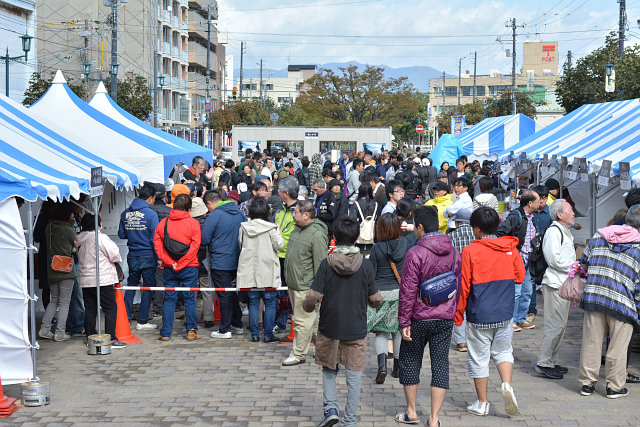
(26, 47)
(608, 69)
(114, 70)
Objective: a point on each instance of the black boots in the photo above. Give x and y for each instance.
(396, 365)
(382, 368)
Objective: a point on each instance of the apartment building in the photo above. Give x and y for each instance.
(18, 18)
(280, 90)
(165, 37)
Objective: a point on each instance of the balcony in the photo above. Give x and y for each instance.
(184, 28)
(195, 26)
(197, 54)
(166, 48)
(166, 16)
(176, 22)
(176, 53)
(184, 3)
(184, 56)
(166, 114)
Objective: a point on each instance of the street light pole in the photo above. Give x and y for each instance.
(26, 47)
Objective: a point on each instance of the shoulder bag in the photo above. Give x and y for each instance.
(59, 263)
(174, 248)
(440, 288)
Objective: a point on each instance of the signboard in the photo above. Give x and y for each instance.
(374, 147)
(457, 124)
(550, 51)
(604, 173)
(243, 145)
(610, 82)
(207, 106)
(97, 187)
(545, 165)
(274, 118)
(582, 169)
(311, 135)
(419, 128)
(573, 174)
(625, 175)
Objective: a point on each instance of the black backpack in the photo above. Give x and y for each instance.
(537, 263)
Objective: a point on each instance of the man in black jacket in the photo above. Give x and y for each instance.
(335, 205)
(519, 223)
(303, 176)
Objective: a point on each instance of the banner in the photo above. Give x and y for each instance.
(457, 124)
(374, 147)
(243, 145)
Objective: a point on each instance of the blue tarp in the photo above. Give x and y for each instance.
(496, 134)
(448, 149)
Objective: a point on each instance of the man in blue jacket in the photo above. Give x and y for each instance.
(220, 233)
(138, 225)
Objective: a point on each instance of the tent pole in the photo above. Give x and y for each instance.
(32, 299)
(561, 180)
(594, 196)
(95, 213)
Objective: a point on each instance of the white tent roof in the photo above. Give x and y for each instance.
(152, 158)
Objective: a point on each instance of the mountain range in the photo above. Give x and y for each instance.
(419, 76)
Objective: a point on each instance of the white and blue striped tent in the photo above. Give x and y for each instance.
(597, 132)
(154, 158)
(38, 162)
(496, 134)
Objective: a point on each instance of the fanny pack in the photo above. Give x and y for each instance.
(440, 288)
(174, 248)
(59, 263)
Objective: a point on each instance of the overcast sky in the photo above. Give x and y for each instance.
(401, 33)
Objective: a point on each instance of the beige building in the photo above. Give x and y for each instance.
(280, 90)
(537, 77)
(171, 33)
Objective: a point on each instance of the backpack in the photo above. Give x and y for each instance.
(232, 181)
(537, 263)
(367, 226)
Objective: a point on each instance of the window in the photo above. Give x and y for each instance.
(497, 90)
(468, 90)
(268, 86)
(249, 86)
(480, 90)
(282, 99)
(451, 91)
(297, 86)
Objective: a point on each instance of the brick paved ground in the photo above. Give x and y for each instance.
(239, 383)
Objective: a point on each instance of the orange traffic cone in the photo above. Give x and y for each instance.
(7, 405)
(123, 331)
(289, 338)
(217, 314)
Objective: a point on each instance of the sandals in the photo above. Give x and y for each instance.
(403, 418)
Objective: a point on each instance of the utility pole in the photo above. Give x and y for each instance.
(475, 62)
(261, 103)
(241, 56)
(156, 56)
(459, 77)
(207, 75)
(86, 52)
(114, 50)
(513, 66)
(621, 27)
(444, 90)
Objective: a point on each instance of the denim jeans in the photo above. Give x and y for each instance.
(330, 399)
(523, 297)
(187, 277)
(231, 315)
(145, 267)
(270, 301)
(75, 319)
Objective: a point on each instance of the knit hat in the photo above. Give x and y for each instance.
(179, 189)
(425, 162)
(463, 215)
(552, 184)
(168, 186)
(333, 183)
(442, 174)
(233, 194)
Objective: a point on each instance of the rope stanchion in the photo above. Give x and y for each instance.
(184, 289)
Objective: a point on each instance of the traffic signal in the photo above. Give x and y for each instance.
(235, 92)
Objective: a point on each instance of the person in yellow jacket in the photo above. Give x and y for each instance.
(441, 200)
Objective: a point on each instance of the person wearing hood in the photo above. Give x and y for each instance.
(180, 264)
(387, 258)
(307, 248)
(421, 324)
(315, 169)
(611, 303)
(491, 267)
(335, 205)
(259, 266)
(109, 256)
(138, 224)
(345, 285)
(441, 200)
(220, 233)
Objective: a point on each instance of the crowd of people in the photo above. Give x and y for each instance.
(387, 244)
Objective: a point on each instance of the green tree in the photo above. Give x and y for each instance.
(405, 130)
(246, 113)
(494, 107)
(133, 95)
(354, 98)
(583, 82)
(39, 86)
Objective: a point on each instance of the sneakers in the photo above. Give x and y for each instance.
(192, 335)
(245, 311)
(516, 328)
(616, 394)
(330, 418)
(479, 408)
(61, 337)
(461, 347)
(561, 369)
(237, 331)
(550, 373)
(222, 335)
(588, 390)
(45, 335)
(117, 344)
(161, 338)
(293, 361)
(146, 326)
(278, 330)
(510, 402)
(632, 379)
(526, 325)
(530, 318)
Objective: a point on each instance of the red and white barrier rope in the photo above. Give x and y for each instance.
(181, 289)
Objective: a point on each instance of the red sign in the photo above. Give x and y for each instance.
(419, 128)
(548, 48)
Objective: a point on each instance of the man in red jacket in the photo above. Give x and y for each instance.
(491, 267)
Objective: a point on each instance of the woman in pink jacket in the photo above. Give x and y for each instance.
(109, 255)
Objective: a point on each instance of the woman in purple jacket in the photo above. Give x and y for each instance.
(433, 254)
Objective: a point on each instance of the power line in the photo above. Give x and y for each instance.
(302, 6)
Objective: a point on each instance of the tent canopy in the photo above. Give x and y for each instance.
(448, 149)
(154, 158)
(102, 102)
(496, 134)
(609, 130)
